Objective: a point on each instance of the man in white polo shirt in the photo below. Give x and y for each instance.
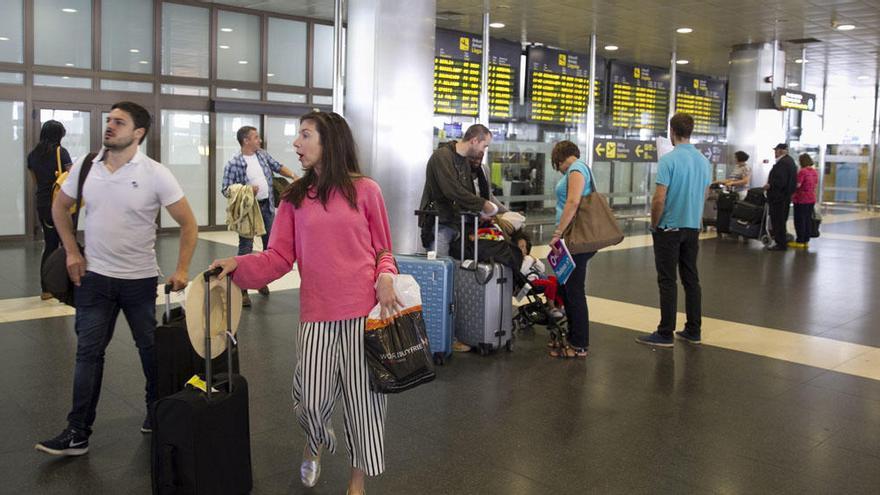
(123, 192)
(254, 167)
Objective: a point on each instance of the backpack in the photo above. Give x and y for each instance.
(60, 177)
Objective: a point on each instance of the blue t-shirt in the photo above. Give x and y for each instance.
(686, 174)
(562, 185)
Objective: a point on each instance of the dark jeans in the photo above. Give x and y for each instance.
(51, 241)
(803, 221)
(98, 301)
(778, 218)
(574, 295)
(678, 249)
(245, 245)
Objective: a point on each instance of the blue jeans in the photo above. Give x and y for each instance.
(574, 295)
(246, 245)
(445, 236)
(98, 301)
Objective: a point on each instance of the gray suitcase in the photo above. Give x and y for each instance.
(483, 301)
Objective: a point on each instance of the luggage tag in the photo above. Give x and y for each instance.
(197, 383)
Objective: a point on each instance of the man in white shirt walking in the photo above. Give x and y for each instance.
(254, 167)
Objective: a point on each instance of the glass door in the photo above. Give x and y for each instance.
(77, 123)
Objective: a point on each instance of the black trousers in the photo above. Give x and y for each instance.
(51, 241)
(803, 221)
(778, 218)
(678, 249)
(574, 295)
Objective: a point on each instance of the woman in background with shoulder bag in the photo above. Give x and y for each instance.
(46, 162)
(574, 185)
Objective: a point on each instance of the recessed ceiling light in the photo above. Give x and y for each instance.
(234, 89)
(69, 10)
(226, 30)
(144, 62)
(270, 75)
(243, 62)
(611, 48)
(134, 50)
(864, 78)
(65, 77)
(496, 25)
(800, 61)
(684, 30)
(4, 38)
(846, 27)
(682, 62)
(793, 85)
(224, 47)
(68, 64)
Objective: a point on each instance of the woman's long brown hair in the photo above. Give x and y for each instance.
(339, 164)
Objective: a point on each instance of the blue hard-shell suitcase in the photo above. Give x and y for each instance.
(435, 278)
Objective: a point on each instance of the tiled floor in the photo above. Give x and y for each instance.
(741, 414)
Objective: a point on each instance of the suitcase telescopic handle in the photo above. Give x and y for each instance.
(476, 268)
(209, 375)
(436, 215)
(168, 288)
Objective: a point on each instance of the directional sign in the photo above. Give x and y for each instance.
(797, 100)
(624, 150)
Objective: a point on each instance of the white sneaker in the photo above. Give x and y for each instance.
(556, 313)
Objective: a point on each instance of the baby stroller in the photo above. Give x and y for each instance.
(536, 311)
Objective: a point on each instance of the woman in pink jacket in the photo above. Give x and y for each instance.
(804, 199)
(333, 224)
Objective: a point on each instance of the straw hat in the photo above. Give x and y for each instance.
(195, 314)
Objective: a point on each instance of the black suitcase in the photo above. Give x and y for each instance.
(722, 223)
(748, 212)
(746, 229)
(726, 200)
(756, 196)
(201, 440)
(176, 360)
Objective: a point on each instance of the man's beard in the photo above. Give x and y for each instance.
(117, 146)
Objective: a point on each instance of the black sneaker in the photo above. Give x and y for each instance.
(147, 427)
(689, 337)
(69, 442)
(656, 340)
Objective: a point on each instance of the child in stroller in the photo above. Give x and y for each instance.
(532, 282)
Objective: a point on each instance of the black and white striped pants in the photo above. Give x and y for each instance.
(332, 365)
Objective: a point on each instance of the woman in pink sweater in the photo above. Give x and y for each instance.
(804, 199)
(333, 224)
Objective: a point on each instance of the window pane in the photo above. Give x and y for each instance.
(77, 136)
(185, 40)
(185, 152)
(183, 90)
(242, 94)
(323, 57)
(73, 18)
(238, 47)
(287, 52)
(11, 23)
(288, 97)
(63, 81)
(12, 187)
(322, 100)
(12, 78)
(227, 146)
(280, 133)
(133, 86)
(127, 36)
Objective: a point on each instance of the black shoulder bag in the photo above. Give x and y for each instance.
(56, 280)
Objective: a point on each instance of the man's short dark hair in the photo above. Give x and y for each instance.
(561, 151)
(139, 115)
(741, 156)
(478, 131)
(243, 132)
(682, 125)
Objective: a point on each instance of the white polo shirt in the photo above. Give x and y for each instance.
(120, 214)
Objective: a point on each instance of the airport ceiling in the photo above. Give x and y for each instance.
(645, 30)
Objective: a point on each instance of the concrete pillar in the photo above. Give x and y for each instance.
(389, 102)
(753, 125)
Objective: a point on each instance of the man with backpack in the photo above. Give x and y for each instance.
(123, 190)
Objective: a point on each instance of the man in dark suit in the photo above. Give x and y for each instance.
(781, 184)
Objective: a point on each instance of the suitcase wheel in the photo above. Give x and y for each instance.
(439, 359)
(765, 240)
(485, 349)
(509, 346)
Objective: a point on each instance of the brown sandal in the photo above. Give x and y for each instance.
(569, 352)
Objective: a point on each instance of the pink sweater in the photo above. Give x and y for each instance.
(807, 180)
(335, 249)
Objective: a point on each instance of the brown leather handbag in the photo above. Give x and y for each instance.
(594, 226)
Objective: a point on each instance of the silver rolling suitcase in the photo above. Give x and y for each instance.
(483, 300)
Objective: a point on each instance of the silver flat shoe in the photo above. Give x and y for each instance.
(309, 472)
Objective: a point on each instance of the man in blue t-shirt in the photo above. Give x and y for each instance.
(676, 212)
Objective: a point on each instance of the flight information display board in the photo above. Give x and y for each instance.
(557, 85)
(458, 60)
(703, 98)
(639, 97)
